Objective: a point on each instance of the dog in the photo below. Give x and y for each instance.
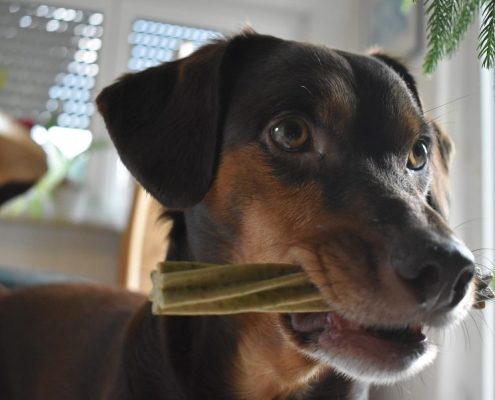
(263, 150)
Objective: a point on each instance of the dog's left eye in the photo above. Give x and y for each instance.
(418, 156)
(290, 134)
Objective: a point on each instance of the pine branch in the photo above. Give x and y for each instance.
(486, 38)
(439, 26)
(463, 15)
(447, 23)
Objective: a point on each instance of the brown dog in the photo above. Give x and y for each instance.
(264, 150)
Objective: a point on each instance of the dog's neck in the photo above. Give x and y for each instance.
(245, 355)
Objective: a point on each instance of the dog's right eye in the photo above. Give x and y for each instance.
(291, 134)
(418, 156)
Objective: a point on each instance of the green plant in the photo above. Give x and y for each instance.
(447, 23)
(60, 167)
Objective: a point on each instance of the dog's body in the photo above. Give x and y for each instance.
(265, 151)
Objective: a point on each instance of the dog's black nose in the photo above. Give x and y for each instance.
(438, 272)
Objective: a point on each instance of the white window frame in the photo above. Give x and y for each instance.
(487, 82)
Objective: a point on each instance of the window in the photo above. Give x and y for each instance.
(488, 222)
(48, 68)
(155, 42)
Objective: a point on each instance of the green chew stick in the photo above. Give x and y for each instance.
(190, 295)
(185, 274)
(295, 299)
(184, 288)
(188, 288)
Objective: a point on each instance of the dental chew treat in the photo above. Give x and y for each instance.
(190, 288)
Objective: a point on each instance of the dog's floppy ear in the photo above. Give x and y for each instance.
(401, 70)
(164, 122)
(442, 150)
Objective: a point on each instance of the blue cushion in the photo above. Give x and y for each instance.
(17, 278)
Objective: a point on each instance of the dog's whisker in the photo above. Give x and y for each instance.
(490, 268)
(482, 318)
(488, 262)
(306, 89)
(442, 118)
(469, 221)
(476, 325)
(480, 249)
(457, 99)
(466, 335)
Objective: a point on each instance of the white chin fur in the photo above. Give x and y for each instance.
(358, 369)
(362, 371)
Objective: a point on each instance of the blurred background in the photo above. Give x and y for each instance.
(69, 207)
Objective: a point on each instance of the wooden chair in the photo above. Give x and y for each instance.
(144, 242)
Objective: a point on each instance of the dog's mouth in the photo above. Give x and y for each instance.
(373, 353)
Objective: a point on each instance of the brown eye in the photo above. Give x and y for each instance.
(418, 155)
(290, 134)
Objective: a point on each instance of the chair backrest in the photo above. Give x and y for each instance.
(144, 242)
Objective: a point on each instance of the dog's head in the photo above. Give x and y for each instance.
(279, 151)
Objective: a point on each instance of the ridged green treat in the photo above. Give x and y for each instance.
(186, 288)
(190, 288)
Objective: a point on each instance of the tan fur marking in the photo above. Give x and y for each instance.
(268, 365)
(275, 222)
(280, 223)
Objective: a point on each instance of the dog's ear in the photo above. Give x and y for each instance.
(164, 122)
(442, 150)
(401, 70)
